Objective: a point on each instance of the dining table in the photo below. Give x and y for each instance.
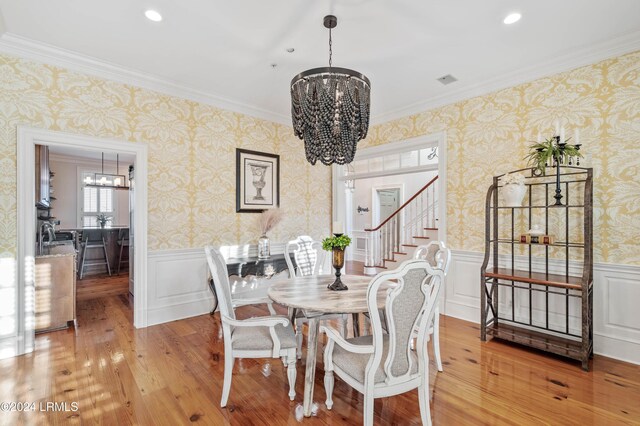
(311, 295)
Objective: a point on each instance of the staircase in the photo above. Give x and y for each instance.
(415, 223)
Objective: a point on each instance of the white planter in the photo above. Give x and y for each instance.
(513, 194)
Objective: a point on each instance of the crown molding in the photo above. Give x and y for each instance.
(15, 45)
(567, 60)
(41, 52)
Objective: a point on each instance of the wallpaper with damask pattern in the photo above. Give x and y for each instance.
(490, 135)
(192, 151)
(191, 155)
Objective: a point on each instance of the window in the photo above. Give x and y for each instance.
(95, 201)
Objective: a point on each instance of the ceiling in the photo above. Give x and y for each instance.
(222, 51)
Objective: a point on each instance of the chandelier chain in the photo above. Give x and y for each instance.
(330, 49)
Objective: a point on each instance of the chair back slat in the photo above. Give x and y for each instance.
(411, 298)
(308, 255)
(436, 253)
(218, 269)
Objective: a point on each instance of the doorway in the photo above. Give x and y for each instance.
(28, 138)
(93, 216)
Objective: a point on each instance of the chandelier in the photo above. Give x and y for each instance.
(330, 109)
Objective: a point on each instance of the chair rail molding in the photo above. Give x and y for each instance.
(616, 319)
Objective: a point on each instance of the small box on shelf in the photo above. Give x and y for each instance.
(537, 239)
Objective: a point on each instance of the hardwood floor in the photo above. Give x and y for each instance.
(95, 286)
(171, 374)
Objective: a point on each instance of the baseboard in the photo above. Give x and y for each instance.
(178, 311)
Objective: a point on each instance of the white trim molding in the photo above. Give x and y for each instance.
(439, 139)
(566, 61)
(616, 319)
(27, 139)
(16, 45)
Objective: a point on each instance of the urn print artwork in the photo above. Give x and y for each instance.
(257, 181)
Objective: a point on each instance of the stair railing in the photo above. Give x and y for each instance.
(411, 219)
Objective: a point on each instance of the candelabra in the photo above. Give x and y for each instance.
(560, 155)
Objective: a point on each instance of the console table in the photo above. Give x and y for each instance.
(251, 265)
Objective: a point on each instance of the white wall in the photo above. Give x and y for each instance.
(66, 191)
(362, 194)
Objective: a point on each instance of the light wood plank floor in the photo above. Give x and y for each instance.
(95, 286)
(171, 374)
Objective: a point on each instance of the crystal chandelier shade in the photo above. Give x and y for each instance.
(330, 110)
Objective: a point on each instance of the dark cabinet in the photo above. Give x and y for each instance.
(43, 182)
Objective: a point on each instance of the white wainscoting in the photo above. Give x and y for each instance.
(178, 289)
(616, 317)
(177, 286)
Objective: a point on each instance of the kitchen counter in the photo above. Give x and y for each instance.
(110, 235)
(55, 288)
(58, 250)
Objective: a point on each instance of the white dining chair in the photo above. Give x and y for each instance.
(383, 364)
(438, 256)
(259, 337)
(309, 257)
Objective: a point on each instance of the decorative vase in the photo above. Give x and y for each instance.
(103, 224)
(264, 247)
(513, 194)
(338, 264)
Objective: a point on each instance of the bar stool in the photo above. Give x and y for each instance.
(123, 241)
(93, 240)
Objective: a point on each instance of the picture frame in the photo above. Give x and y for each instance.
(257, 181)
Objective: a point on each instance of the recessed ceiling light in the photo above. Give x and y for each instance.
(153, 15)
(291, 50)
(512, 18)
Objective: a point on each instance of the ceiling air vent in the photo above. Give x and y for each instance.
(447, 79)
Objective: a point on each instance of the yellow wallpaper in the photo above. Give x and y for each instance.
(489, 135)
(191, 155)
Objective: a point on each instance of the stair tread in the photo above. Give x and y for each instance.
(409, 245)
(422, 238)
(430, 229)
(399, 252)
(389, 260)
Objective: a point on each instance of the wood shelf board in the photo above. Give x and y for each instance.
(552, 280)
(556, 244)
(551, 206)
(546, 342)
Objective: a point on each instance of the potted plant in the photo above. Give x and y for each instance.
(336, 245)
(551, 152)
(103, 219)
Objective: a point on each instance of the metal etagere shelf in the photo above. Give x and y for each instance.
(522, 281)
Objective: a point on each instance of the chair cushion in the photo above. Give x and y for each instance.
(259, 338)
(355, 364)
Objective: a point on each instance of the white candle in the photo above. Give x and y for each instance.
(539, 137)
(338, 228)
(557, 123)
(562, 135)
(576, 137)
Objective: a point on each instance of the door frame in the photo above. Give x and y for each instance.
(27, 138)
(340, 201)
(375, 200)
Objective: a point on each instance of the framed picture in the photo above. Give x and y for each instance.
(257, 181)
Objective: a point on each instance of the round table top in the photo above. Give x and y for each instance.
(311, 293)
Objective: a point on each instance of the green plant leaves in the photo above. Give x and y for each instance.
(339, 242)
